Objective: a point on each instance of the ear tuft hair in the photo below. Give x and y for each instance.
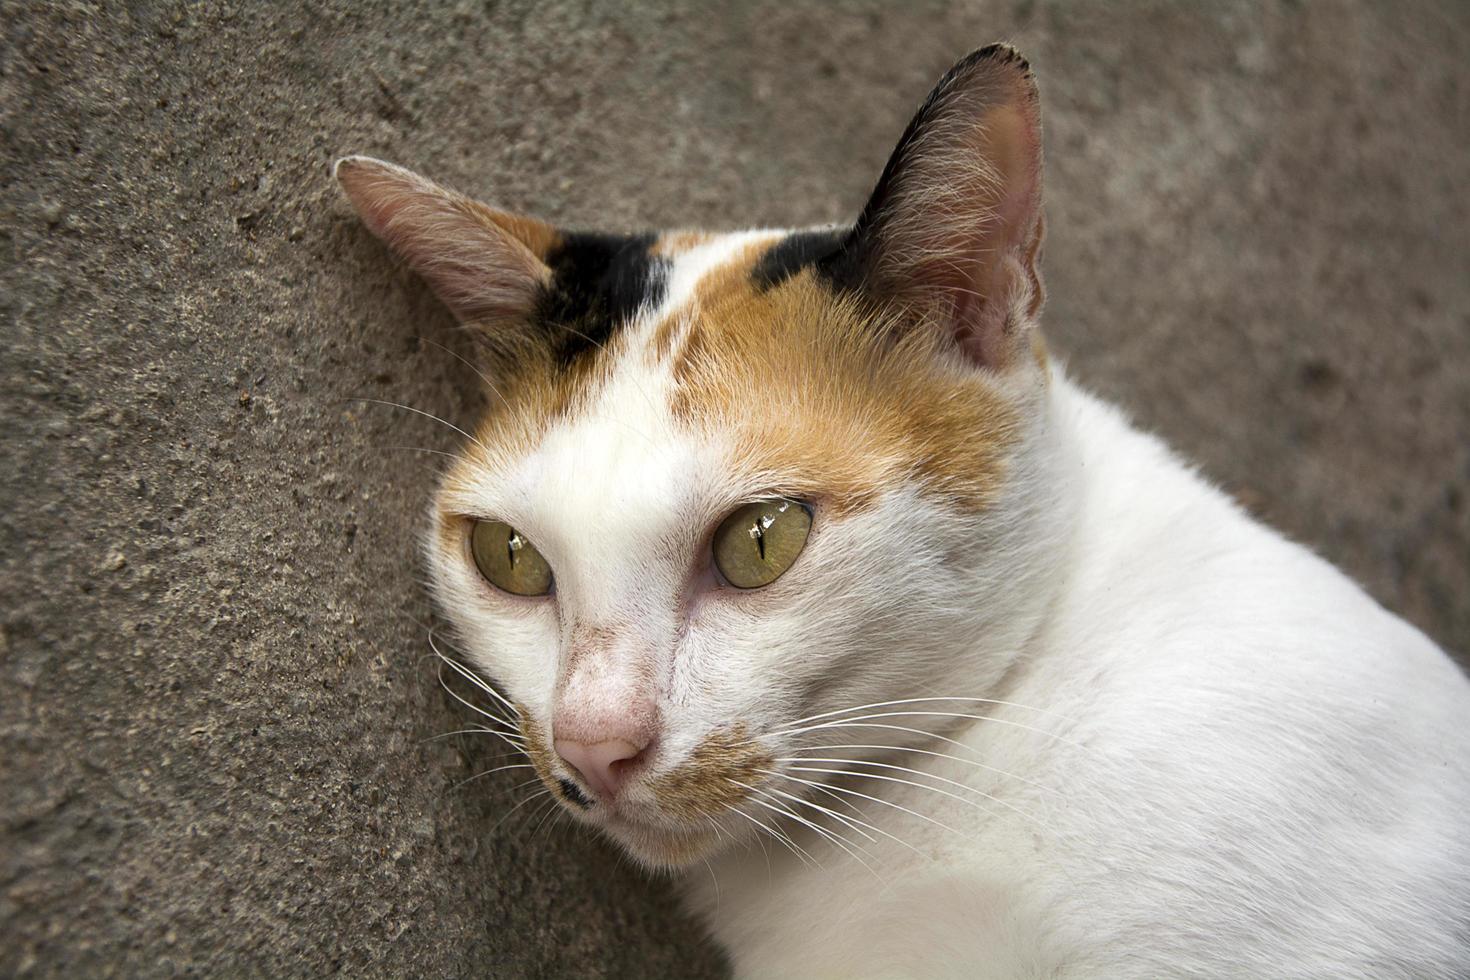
(488, 266)
(953, 230)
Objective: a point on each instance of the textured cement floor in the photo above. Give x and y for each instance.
(213, 691)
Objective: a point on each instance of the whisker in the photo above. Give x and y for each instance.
(521, 785)
(829, 790)
(427, 415)
(770, 874)
(514, 740)
(874, 799)
(775, 834)
(787, 813)
(916, 772)
(465, 731)
(933, 714)
(855, 825)
(788, 838)
(510, 725)
(715, 879)
(473, 677)
(541, 811)
(534, 796)
(554, 809)
(786, 809)
(934, 789)
(886, 704)
(471, 365)
(416, 449)
(490, 772)
(506, 729)
(715, 825)
(911, 731)
(904, 748)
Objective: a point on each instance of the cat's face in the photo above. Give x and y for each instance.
(732, 484)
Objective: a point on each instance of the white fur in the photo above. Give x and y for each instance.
(1231, 761)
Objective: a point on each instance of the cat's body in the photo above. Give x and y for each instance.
(803, 568)
(1257, 772)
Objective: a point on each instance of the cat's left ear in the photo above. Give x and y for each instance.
(488, 266)
(953, 231)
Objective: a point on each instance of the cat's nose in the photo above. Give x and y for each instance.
(603, 765)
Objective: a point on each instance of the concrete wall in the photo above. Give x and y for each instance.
(213, 687)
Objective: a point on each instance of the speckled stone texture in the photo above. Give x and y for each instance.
(214, 696)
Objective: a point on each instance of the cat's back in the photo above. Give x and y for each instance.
(1262, 757)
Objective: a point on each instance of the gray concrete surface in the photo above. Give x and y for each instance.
(213, 691)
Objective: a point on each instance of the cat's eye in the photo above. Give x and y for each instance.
(755, 545)
(507, 560)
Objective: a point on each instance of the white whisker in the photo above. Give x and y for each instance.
(777, 835)
(555, 808)
(855, 825)
(417, 449)
(541, 812)
(865, 796)
(821, 832)
(465, 731)
(521, 785)
(904, 748)
(910, 731)
(851, 722)
(715, 879)
(427, 415)
(933, 789)
(916, 772)
(888, 704)
(490, 772)
(533, 796)
(845, 819)
(473, 677)
(471, 365)
(514, 740)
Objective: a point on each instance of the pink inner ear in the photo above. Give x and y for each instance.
(477, 259)
(956, 226)
(1003, 244)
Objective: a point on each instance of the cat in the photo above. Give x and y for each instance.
(802, 568)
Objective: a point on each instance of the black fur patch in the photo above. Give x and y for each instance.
(572, 793)
(598, 283)
(795, 252)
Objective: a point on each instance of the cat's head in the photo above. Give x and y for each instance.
(731, 486)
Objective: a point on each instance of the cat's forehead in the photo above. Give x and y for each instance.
(617, 319)
(726, 358)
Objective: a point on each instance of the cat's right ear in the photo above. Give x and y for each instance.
(488, 266)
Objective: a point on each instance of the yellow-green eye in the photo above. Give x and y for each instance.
(507, 560)
(757, 543)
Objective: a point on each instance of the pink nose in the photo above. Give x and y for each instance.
(603, 764)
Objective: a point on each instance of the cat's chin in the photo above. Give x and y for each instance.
(661, 847)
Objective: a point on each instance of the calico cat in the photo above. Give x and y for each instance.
(796, 556)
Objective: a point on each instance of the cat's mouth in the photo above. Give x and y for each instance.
(673, 816)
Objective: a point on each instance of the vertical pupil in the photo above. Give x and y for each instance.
(758, 534)
(513, 544)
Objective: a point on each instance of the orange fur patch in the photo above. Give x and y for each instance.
(706, 784)
(826, 399)
(538, 751)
